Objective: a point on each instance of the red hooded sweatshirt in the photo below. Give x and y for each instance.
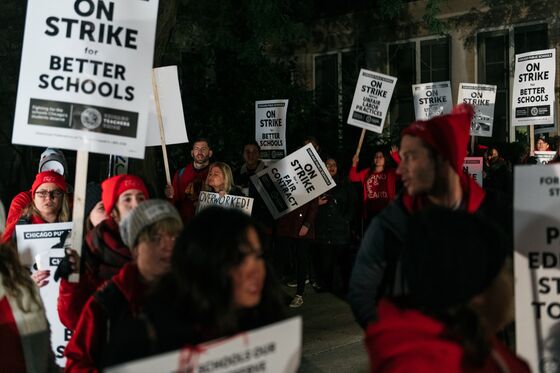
(409, 341)
(85, 349)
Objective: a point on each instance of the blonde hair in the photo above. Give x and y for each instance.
(228, 177)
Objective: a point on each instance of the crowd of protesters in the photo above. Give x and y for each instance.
(390, 238)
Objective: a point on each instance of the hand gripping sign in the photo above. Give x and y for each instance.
(43, 245)
(274, 349)
(293, 181)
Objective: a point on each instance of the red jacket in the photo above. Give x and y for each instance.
(105, 254)
(379, 188)
(187, 184)
(17, 205)
(85, 349)
(409, 341)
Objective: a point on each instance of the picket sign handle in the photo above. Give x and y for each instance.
(532, 140)
(161, 129)
(359, 148)
(473, 139)
(79, 206)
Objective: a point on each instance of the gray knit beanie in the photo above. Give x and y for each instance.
(145, 214)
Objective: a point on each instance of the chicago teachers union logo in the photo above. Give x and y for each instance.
(91, 118)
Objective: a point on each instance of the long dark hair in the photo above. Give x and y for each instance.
(199, 285)
(15, 278)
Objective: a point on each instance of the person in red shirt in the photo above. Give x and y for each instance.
(188, 181)
(379, 184)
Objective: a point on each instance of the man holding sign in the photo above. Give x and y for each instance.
(431, 169)
(188, 181)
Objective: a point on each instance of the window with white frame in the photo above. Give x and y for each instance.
(335, 75)
(415, 61)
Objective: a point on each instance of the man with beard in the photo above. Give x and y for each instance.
(188, 181)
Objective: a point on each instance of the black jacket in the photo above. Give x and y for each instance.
(332, 225)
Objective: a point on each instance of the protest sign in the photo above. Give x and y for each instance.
(432, 99)
(548, 128)
(44, 244)
(533, 88)
(473, 166)
(270, 128)
(371, 100)
(483, 98)
(85, 75)
(207, 199)
(293, 181)
(537, 265)
(274, 349)
(543, 157)
(171, 107)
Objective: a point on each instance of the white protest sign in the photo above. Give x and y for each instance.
(432, 99)
(537, 265)
(273, 349)
(483, 98)
(171, 107)
(270, 128)
(293, 181)
(533, 88)
(473, 166)
(85, 75)
(44, 244)
(543, 157)
(371, 100)
(207, 199)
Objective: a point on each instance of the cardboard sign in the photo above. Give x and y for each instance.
(537, 265)
(270, 128)
(371, 100)
(207, 199)
(171, 106)
(483, 98)
(293, 181)
(473, 166)
(432, 99)
(533, 88)
(272, 349)
(44, 244)
(543, 157)
(85, 76)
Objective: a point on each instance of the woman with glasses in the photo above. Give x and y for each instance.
(49, 204)
(150, 231)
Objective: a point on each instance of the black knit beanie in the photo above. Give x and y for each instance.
(93, 195)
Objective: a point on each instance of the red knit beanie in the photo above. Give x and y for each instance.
(114, 186)
(48, 177)
(447, 134)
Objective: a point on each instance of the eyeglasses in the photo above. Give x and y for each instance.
(53, 194)
(158, 239)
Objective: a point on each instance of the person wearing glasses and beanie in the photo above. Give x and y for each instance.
(150, 231)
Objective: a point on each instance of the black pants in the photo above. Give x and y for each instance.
(327, 258)
(300, 249)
